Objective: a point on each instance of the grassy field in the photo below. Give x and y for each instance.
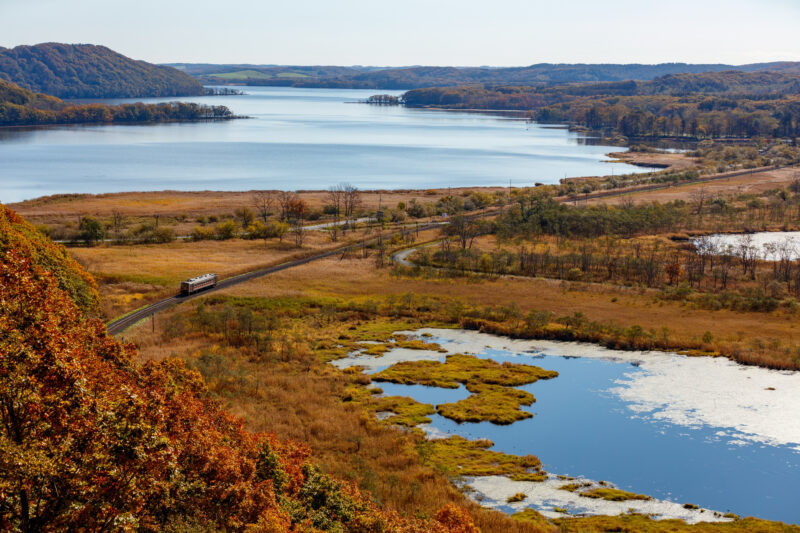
(132, 275)
(281, 383)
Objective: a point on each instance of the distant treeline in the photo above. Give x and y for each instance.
(721, 104)
(20, 107)
(88, 71)
(543, 74)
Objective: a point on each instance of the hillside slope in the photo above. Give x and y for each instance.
(543, 74)
(90, 71)
(21, 107)
(92, 441)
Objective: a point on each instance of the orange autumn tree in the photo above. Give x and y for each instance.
(91, 440)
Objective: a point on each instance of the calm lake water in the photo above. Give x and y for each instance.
(297, 139)
(680, 429)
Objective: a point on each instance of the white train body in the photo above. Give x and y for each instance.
(199, 283)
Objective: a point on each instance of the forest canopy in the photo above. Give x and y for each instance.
(542, 74)
(91, 440)
(89, 71)
(20, 107)
(716, 104)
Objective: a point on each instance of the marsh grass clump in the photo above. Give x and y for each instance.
(603, 492)
(459, 456)
(518, 497)
(532, 516)
(492, 403)
(613, 495)
(490, 383)
(405, 411)
(463, 369)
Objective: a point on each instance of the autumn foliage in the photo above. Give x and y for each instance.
(90, 440)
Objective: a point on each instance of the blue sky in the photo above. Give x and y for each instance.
(425, 32)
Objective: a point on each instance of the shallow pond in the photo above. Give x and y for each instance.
(768, 245)
(681, 429)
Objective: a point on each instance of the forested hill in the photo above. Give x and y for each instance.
(93, 440)
(542, 74)
(21, 107)
(714, 104)
(729, 84)
(90, 71)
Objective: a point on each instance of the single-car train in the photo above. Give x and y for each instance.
(192, 285)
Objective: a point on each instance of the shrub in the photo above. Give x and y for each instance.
(226, 230)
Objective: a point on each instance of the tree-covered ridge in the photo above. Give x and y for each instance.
(90, 71)
(92, 441)
(716, 104)
(21, 107)
(17, 235)
(542, 74)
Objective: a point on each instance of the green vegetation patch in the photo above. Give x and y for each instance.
(499, 405)
(613, 495)
(463, 369)
(405, 411)
(457, 456)
(533, 516)
(602, 493)
(489, 382)
(242, 75)
(518, 497)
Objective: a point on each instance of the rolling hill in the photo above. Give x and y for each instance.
(90, 71)
(413, 77)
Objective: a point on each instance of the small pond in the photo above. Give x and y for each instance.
(768, 245)
(680, 429)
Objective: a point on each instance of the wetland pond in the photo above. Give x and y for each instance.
(699, 430)
(767, 245)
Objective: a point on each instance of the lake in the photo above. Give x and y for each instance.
(297, 139)
(698, 430)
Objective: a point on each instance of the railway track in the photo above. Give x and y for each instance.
(119, 325)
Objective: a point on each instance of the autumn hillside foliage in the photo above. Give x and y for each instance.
(92, 441)
(17, 234)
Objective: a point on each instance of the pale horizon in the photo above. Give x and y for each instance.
(446, 33)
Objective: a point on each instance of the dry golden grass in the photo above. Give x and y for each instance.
(355, 278)
(674, 161)
(195, 203)
(300, 398)
(131, 275)
(755, 184)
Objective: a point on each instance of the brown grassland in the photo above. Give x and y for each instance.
(130, 276)
(295, 394)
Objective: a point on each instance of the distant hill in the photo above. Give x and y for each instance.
(90, 71)
(706, 105)
(21, 107)
(418, 77)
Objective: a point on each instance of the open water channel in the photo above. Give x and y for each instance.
(296, 139)
(698, 430)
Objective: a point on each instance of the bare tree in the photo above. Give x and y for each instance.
(285, 200)
(336, 199)
(747, 252)
(263, 202)
(116, 222)
(351, 199)
(245, 216)
(698, 197)
(298, 232)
